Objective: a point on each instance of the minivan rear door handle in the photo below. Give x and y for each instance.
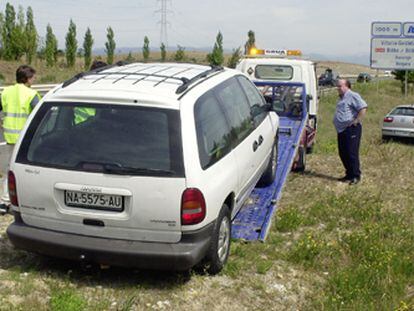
(260, 140)
(255, 145)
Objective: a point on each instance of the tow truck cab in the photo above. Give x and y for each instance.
(286, 66)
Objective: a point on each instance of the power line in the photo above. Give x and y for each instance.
(163, 22)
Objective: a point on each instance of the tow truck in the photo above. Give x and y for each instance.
(285, 84)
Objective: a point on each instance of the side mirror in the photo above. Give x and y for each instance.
(309, 97)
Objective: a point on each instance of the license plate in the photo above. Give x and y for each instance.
(99, 201)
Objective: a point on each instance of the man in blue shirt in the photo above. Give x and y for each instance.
(350, 110)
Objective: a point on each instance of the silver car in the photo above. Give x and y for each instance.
(399, 122)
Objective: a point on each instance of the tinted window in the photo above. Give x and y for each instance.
(213, 132)
(403, 111)
(257, 103)
(109, 138)
(236, 108)
(274, 72)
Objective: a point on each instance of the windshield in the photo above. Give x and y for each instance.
(274, 72)
(113, 139)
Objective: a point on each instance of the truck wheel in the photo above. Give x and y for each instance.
(270, 173)
(219, 250)
(301, 163)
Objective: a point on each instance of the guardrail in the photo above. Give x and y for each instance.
(41, 88)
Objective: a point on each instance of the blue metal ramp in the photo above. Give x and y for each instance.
(253, 221)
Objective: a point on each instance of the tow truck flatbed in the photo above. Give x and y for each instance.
(254, 219)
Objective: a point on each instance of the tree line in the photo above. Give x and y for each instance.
(19, 38)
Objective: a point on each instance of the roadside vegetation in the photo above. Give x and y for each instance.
(331, 246)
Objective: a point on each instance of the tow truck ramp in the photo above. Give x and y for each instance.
(254, 219)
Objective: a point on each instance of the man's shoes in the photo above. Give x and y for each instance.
(4, 209)
(345, 179)
(355, 180)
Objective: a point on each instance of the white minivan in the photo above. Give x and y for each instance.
(141, 165)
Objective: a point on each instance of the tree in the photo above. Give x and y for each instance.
(146, 49)
(130, 58)
(400, 76)
(235, 57)
(163, 52)
(250, 43)
(7, 30)
(1, 37)
(31, 36)
(179, 54)
(18, 44)
(216, 58)
(50, 47)
(71, 45)
(87, 48)
(110, 46)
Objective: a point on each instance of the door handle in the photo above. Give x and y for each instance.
(255, 145)
(260, 140)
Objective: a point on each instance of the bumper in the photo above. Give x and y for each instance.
(146, 255)
(397, 132)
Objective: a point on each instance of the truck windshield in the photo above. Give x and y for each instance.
(274, 72)
(111, 139)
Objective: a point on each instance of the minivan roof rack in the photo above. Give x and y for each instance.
(204, 74)
(91, 72)
(186, 82)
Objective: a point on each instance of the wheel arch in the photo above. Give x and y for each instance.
(230, 201)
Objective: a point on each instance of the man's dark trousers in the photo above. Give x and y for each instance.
(348, 146)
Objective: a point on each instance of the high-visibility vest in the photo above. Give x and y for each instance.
(15, 101)
(83, 113)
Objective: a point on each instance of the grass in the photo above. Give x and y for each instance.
(331, 246)
(66, 300)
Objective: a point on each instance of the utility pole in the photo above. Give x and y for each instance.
(406, 84)
(163, 21)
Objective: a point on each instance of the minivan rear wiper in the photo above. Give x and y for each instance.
(117, 168)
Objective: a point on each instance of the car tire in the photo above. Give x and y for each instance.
(219, 249)
(301, 163)
(269, 174)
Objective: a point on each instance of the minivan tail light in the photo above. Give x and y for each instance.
(193, 207)
(388, 119)
(12, 189)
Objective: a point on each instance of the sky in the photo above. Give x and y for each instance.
(325, 27)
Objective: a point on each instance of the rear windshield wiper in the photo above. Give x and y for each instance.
(117, 168)
(126, 170)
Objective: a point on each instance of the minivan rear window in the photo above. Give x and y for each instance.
(113, 139)
(274, 72)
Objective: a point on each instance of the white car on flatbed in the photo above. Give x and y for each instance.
(141, 165)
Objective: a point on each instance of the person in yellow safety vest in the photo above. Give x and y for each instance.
(81, 114)
(17, 102)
